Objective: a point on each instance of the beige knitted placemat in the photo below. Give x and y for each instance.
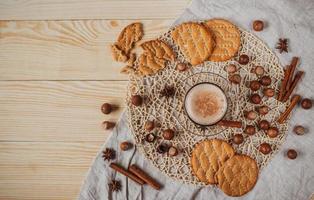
(169, 112)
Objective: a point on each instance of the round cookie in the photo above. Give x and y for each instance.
(207, 157)
(238, 175)
(194, 40)
(227, 39)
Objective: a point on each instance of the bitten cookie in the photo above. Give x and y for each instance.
(227, 39)
(194, 40)
(208, 156)
(238, 175)
(118, 54)
(159, 48)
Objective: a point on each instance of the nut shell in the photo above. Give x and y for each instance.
(258, 25)
(250, 130)
(106, 108)
(181, 67)
(265, 148)
(263, 110)
(269, 92)
(292, 154)
(299, 130)
(108, 125)
(162, 148)
(265, 81)
(173, 151)
(168, 134)
(136, 100)
(259, 70)
(235, 78)
(255, 85)
(150, 137)
(306, 103)
(255, 98)
(231, 68)
(251, 115)
(237, 139)
(149, 125)
(244, 59)
(264, 125)
(124, 146)
(272, 132)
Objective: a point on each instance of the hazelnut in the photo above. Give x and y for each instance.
(255, 98)
(259, 70)
(150, 138)
(265, 148)
(306, 103)
(173, 151)
(269, 92)
(250, 130)
(251, 115)
(238, 138)
(263, 110)
(181, 67)
(124, 146)
(235, 78)
(168, 134)
(258, 25)
(299, 130)
(265, 81)
(136, 100)
(264, 125)
(231, 68)
(255, 85)
(108, 125)
(162, 148)
(292, 154)
(149, 125)
(272, 132)
(106, 108)
(244, 59)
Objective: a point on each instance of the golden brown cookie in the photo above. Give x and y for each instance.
(238, 175)
(118, 54)
(227, 39)
(149, 64)
(129, 36)
(159, 48)
(208, 156)
(194, 40)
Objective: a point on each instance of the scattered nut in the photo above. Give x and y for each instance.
(259, 70)
(181, 67)
(106, 108)
(272, 132)
(231, 68)
(162, 148)
(265, 148)
(108, 125)
(168, 134)
(255, 85)
(255, 98)
(264, 125)
(263, 110)
(150, 138)
(235, 78)
(258, 25)
(299, 130)
(149, 125)
(269, 92)
(238, 138)
(292, 154)
(136, 100)
(244, 59)
(173, 151)
(250, 130)
(265, 81)
(306, 103)
(251, 115)
(124, 146)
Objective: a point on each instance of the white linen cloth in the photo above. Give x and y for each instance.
(282, 179)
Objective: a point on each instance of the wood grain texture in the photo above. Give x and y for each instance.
(64, 50)
(44, 170)
(57, 110)
(91, 9)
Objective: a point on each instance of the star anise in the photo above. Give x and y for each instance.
(108, 154)
(114, 186)
(282, 45)
(168, 91)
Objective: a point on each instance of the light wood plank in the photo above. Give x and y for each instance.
(64, 50)
(91, 9)
(41, 170)
(57, 110)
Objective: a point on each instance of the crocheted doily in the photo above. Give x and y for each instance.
(169, 112)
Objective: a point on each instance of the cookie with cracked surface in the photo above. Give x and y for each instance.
(118, 54)
(227, 39)
(149, 64)
(194, 40)
(238, 175)
(159, 48)
(129, 36)
(208, 156)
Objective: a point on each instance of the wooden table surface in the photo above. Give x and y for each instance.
(55, 72)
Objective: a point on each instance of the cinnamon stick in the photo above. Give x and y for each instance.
(295, 99)
(144, 176)
(126, 173)
(284, 84)
(229, 123)
(293, 65)
(293, 85)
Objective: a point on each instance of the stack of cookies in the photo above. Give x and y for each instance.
(215, 162)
